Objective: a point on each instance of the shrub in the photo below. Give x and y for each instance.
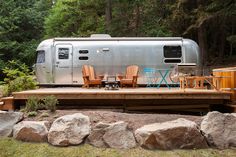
(18, 78)
(4, 90)
(22, 110)
(50, 103)
(21, 83)
(32, 114)
(44, 114)
(33, 104)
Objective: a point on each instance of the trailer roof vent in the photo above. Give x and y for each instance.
(100, 36)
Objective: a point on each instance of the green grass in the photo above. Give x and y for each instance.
(12, 148)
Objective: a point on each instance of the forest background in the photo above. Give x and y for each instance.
(211, 23)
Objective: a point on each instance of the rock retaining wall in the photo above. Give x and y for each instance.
(216, 130)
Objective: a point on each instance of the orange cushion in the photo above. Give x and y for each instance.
(95, 81)
(126, 81)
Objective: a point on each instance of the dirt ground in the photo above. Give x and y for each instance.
(133, 119)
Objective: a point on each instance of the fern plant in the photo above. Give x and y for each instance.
(18, 78)
(32, 104)
(50, 103)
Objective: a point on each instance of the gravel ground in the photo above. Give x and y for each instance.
(134, 120)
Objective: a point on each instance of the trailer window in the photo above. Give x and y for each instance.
(170, 61)
(40, 56)
(172, 52)
(83, 58)
(83, 51)
(63, 53)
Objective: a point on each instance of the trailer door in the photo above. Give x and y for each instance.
(63, 64)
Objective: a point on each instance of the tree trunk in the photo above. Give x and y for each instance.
(202, 41)
(202, 45)
(222, 39)
(137, 19)
(108, 15)
(213, 37)
(231, 44)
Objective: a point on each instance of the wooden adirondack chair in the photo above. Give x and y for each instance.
(90, 78)
(131, 76)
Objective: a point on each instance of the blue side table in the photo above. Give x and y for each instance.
(163, 73)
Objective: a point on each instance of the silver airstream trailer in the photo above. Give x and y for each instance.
(60, 60)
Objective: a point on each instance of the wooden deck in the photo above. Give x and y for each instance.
(130, 98)
(123, 93)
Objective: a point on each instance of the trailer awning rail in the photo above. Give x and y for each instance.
(122, 39)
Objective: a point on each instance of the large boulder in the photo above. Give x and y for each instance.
(114, 135)
(96, 136)
(7, 121)
(117, 135)
(69, 130)
(176, 134)
(31, 131)
(234, 114)
(219, 129)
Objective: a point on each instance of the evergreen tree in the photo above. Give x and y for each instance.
(21, 26)
(75, 18)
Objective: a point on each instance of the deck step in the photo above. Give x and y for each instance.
(1, 103)
(7, 103)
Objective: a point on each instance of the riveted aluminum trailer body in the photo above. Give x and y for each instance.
(60, 60)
